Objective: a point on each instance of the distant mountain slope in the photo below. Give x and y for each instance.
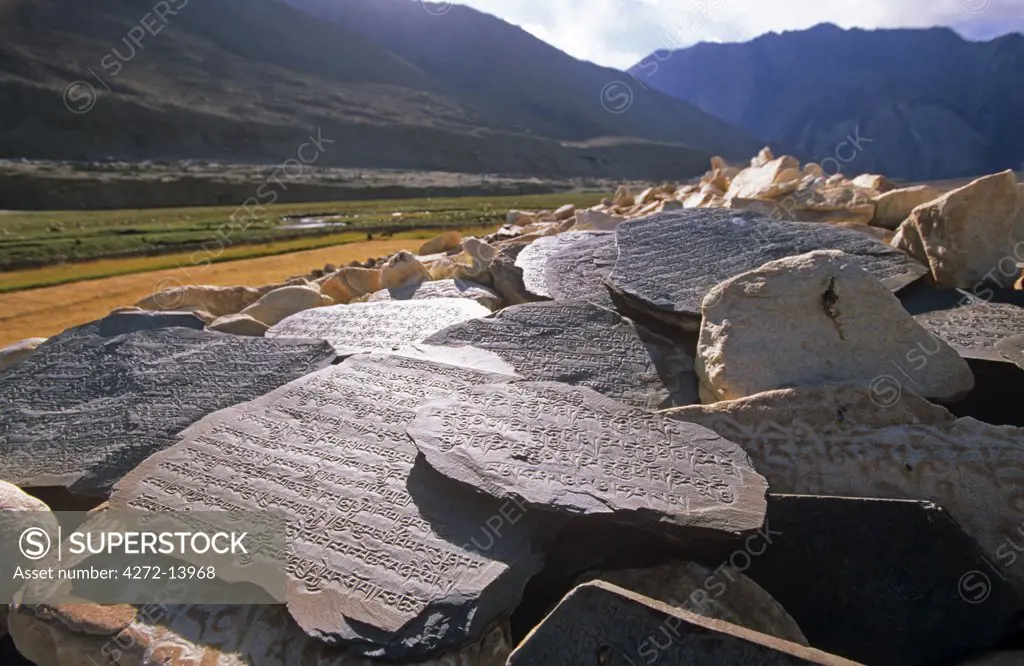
(249, 81)
(932, 104)
(530, 85)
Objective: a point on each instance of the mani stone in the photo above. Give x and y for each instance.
(441, 289)
(386, 554)
(1012, 348)
(883, 582)
(533, 260)
(971, 325)
(84, 409)
(364, 327)
(579, 270)
(668, 262)
(813, 319)
(734, 598)
(568, 449)
(117, 323)
(900, 450)
(599, 624)
(211, 635)
(579, 343)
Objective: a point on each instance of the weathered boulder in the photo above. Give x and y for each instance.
(565, 212)
(188, 635)
(377, 326)
(475, 261)
(872, 181)
(683, 585)
(814, 319)
(351, 282)
(13, 353)
(218, 301)
(964, 234)
(893, 207)
(449, 240)
(589, 220)
(285, 302)
(19, 511)
(239, 324)
(441, 289)
(579, 343)
(667, 263)
(507, 278)
(768, 181)
(401, 270)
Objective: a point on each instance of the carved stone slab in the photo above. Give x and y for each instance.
(971, 325)
(668, 262)
(578, 271)
(441, 289)
(533, 260)
(117, 323)
(84, 409)
(211, 635)
(1012, 348)
(971, 469)
(362, 327)
(874, 599)
(579, 343)
(569, 449)
(599, 624)
(387, 553)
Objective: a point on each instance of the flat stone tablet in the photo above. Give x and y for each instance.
(387, 554)
(580, 343)
(84, 410)
(971, 325)
(441, 289)
(578, 271)
(599, 624)
(363, 327)
(1012, 348)
(668, 262)
(834, 447)
(896, 582)
(117, 323)
(533, 260)
(569, 449)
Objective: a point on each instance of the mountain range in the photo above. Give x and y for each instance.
(927, 103)
(393, 84)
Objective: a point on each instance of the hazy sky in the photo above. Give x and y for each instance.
(618, 33)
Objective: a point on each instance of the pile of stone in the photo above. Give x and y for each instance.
(704, 435)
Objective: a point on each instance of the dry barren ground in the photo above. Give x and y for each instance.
(49, 310)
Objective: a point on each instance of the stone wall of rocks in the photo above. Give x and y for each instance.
(768, 418)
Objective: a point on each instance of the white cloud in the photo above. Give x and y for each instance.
(618, 33)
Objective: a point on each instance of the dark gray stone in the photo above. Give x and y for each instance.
(571, 450)
(886, 582)
(381, 326)
(580, 343)
(1012, 348)
(118, 323)
(387, 554)
(578, 271)
(599, 624)
(533, 260)
(668, 262)
(971, 325)
(84, 409)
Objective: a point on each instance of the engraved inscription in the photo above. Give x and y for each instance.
(570, 449)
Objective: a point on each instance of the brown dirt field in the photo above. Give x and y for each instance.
(47, 311)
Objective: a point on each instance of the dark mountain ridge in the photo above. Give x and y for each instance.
(933, 104)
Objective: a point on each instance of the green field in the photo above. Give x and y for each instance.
(40, 239)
